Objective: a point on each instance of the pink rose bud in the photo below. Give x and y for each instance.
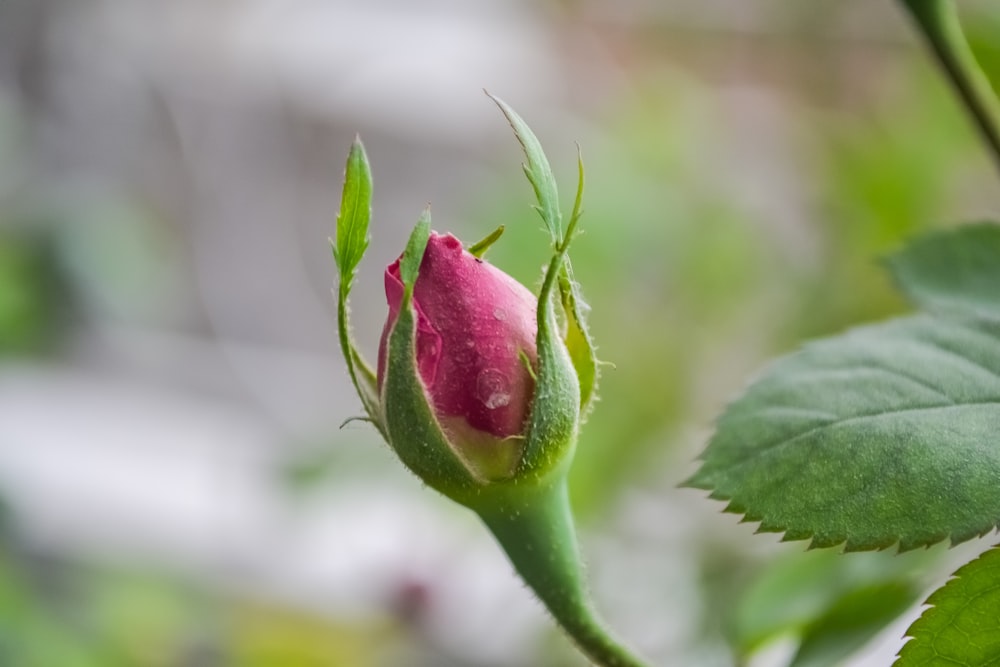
(475, 327)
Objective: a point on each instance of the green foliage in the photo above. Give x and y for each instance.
(801, 594)
(883, 178)
(955, 272)
(885, 434)
(851, 622)
(59, 614)
(32, 294)
(962, 626)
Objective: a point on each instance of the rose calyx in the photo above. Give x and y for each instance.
(457, 369)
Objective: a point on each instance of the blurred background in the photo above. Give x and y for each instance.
(175, 486)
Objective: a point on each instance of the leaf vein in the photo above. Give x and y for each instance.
(895, 372)
(956, 355)
(772, 446)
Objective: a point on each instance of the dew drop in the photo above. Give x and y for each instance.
(499, 314)
(493, 388)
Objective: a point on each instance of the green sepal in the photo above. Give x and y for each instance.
(413, 254)
(414, 432)
(567, 369)
(453, 465)
(577, 337)
(555, 411)
(349, 247)
(538, 171)
(479, 248)
(413, 429)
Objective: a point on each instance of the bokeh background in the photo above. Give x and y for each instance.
(175, 486)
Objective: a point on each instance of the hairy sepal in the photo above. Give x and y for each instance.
(555, 412)
(413, 429)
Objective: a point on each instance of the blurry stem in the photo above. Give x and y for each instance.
(534, 526)
(938, 21)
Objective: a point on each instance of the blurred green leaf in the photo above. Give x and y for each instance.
(884, 177)
(794, 593)
(33, 296)
(962, 626)
(146, 618)
(953, 272)
(852, 621)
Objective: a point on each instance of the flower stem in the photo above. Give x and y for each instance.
(938, 21)
(535, 527)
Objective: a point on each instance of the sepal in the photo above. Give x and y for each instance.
(445, 453)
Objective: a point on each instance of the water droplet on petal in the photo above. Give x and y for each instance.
(493, 388)
(499, 314)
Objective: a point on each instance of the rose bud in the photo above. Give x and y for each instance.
(480, 387)
(476, 390)
(475, 352)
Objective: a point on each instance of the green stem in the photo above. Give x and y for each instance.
(939, 22)
(535, 527)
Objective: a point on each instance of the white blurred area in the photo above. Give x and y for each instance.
(186, 158)
(188, 155)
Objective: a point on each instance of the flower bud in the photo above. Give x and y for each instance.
(480, 387)
(475, 353)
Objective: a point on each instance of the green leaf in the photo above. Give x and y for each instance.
(537, 170)
(852, 621)
(355, 214)
(962, 626)
(953, 272)
(886, 434)
(348, 250)
(797, 591)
